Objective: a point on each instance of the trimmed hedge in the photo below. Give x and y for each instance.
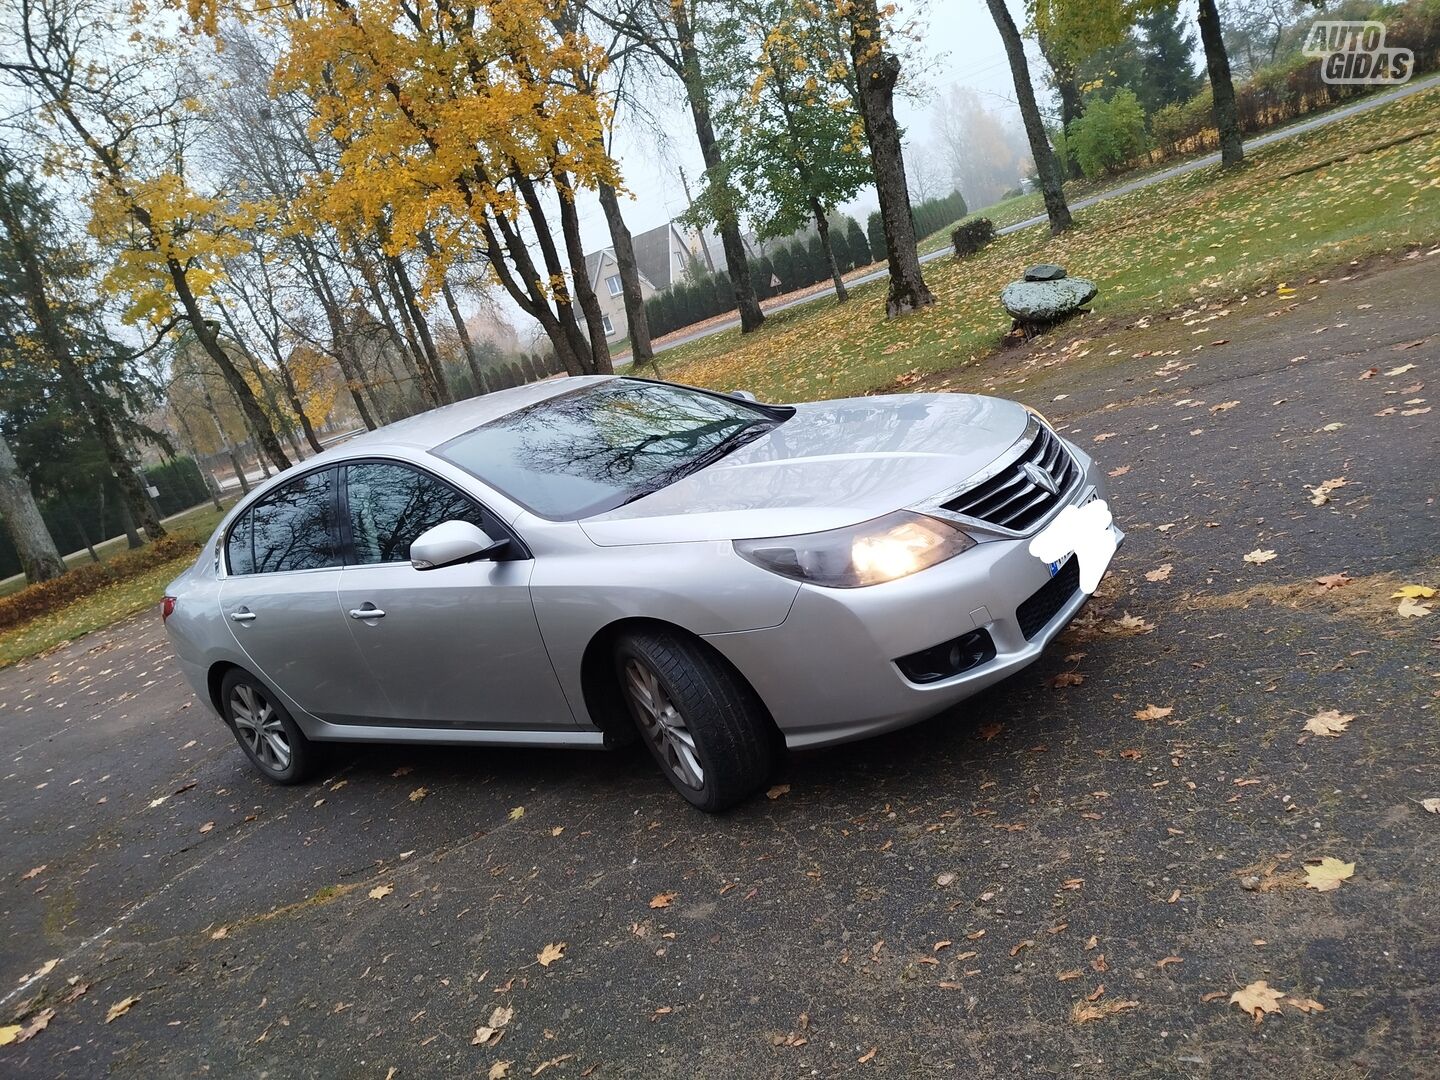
(971, 236)
(35, 600)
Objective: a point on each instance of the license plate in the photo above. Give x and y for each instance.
(1055, 566)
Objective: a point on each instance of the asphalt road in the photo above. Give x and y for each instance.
(1038, 884)
(1365, 104)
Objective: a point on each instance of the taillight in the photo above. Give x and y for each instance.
(167, 605)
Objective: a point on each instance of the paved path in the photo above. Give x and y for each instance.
(1373, 101)
(945, 901)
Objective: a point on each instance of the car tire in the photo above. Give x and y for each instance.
(707, 729)
(266, 732)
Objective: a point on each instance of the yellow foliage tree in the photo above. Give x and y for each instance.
(457, 121)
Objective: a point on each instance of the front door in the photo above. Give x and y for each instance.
(280, 598)
(457, 646)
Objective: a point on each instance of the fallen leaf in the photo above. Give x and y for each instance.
(1257, 999)
(1431, 806)
(1120, 471)
(1225, 406)
(490, 1031)
(9, 1033)
(1320, 493)
(381, 891)
(34, 872)
(1259, 555)
(1083, 1012)
(1331, 722)
(778, 790)
(1160, 573)
(1307, 1005)
(989, 731)
(1153, 712)
(1067, 976)
(1325, 875)
(1133, 624)
(220, 934)
(1104, 436)
(1405, 592)
(1162, 964)
(419, 793)
(1334, 581)
(207, 826)
(1411, 609)
(551, 1063)
(38, 1023)
(868, 1056)
(1066, 678)
(663, 900)
(945, 878)
(557, 830)
(550, 953)
(43, 970)
(1401, 369)
(120, 1008)
(499, 1071)
(516, 813)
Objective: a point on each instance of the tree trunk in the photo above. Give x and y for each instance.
(235, 464)
(431, 372)
(84, 396)
(641, 351)
(1222, 89)
(339, 337)
(584, 292)
(876, 71)
(427, 244)
(564, 302)
(823, 228)
(1045, 163)
(726, 221)
(84, 535)
(27, 530)
(127, 523)
(210, 485)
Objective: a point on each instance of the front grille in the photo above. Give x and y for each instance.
(1045, 602)
(1013, 500)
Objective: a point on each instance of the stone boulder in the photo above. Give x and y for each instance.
(1039, 303)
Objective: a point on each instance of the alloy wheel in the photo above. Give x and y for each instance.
(259, 725)
(663, 725)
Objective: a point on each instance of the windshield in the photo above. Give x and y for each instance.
(604, 445)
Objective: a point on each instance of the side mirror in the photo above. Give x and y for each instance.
(453, 542)
(743, 395)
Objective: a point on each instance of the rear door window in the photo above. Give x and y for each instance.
(293, 528)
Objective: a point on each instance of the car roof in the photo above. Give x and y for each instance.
(427, 430)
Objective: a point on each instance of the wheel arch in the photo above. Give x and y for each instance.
(215, 677)
(603, 695)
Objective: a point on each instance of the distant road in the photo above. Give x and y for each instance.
(1334, 115)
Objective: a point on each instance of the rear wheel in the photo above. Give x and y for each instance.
(707, 729)
(269, 736)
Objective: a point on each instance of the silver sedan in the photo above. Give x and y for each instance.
(576, 562)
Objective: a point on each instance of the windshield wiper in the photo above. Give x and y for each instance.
(726, 446)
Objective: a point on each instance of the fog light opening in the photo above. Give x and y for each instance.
(949, 658)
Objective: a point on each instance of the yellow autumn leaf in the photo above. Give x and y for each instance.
(550, 953)
(1413, 592)
(1325, 875)
(516, 814)
(381, 891)
(120, 1008)
(1257, 999)
(1331, 722)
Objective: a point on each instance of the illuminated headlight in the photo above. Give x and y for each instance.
(886, 548)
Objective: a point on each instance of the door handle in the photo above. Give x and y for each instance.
(370, 612)
(242, 616)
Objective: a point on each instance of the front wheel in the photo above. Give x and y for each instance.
(269, 736)
(707, 729)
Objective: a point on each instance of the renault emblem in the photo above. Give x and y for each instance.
(1040, 478)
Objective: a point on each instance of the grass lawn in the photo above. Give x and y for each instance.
(1003, 213)
(1354, 188)
(110, 604)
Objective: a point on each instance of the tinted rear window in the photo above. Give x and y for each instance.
(590, 450)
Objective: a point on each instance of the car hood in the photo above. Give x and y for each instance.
(833, 463)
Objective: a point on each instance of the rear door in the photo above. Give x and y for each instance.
(457, 646)
(280, 598)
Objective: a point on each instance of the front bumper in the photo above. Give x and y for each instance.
(827, 673)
